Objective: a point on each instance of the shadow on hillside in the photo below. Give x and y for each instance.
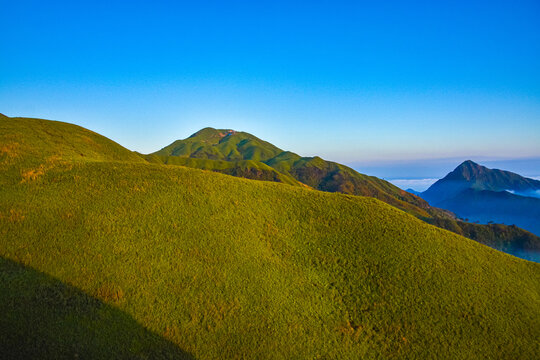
(43, 318)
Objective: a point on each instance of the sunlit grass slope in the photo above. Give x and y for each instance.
(213, 147)
(249, 169)
(244, 155)
(141, 260)
(25, 140)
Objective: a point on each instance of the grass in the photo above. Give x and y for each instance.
(225, 267)
(44, 318)
(40, 141)
(244, 155)
(231, 152)
(249, 169)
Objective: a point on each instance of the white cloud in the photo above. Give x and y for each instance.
(535, 193)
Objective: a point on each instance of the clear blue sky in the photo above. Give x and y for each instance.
(351, 81)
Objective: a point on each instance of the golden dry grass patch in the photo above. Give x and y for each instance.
(10, 149)
(32, 174)
(13, 215)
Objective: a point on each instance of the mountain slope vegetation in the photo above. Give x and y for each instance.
(228, 145)
(242, 154)
(224, 267)
(36, 140)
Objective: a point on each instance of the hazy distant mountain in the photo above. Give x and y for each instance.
(488, 195)
(414, 192)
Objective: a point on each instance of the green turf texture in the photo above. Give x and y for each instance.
(113, 258)
(244, 155)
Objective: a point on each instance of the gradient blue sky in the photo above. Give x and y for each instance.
(365, 83)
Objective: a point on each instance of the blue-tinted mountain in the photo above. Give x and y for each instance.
(487, 195)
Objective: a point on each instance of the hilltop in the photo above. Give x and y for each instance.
(127, 259)
(31, 140)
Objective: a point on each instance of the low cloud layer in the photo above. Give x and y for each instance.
(535, 194)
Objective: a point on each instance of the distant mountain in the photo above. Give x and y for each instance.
(470, 175)
(242, 154)
(412, 191)
(496, 206)
(488, 195)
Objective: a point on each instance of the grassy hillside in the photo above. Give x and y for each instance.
(249, 169)
(244, 155)
(510, 239)
(139, 260)
(223, 145)
(44, 318)
(35, 140)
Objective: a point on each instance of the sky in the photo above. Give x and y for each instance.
(384, 86)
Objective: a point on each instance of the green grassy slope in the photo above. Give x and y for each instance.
(222, 144)
(249, 169)
(226, 267)
(242, 154)
(228, 145)
(44, 318)
(30, 140)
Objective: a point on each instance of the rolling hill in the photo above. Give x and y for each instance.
(111, 258)
(242, 154)
(26, 140)
(218, 145)
(488, 195)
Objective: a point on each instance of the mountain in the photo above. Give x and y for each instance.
(216, 147)
(496, 206)
(488, 195)
(470, 175)
(109, 258)
(242, 154)
(414, 192)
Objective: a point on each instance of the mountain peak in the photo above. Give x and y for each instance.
(469, 163)
(209, 132)
(468, 170)
(221, 144)
(470, 175)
